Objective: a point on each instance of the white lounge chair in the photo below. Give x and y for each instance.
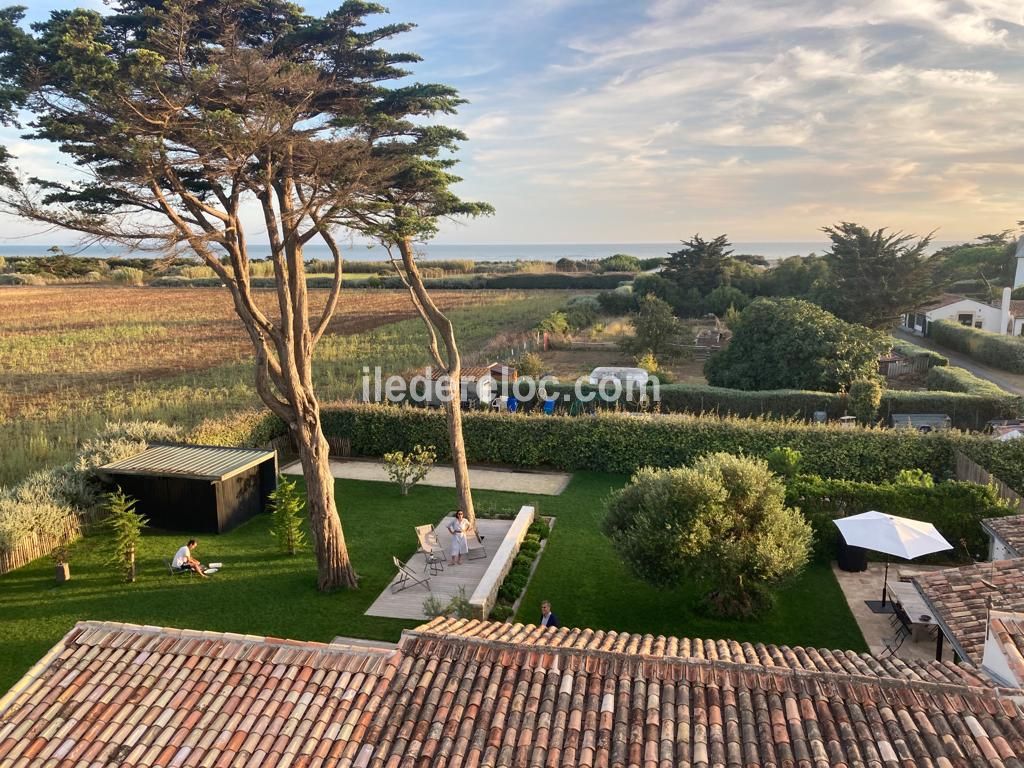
(433, 554)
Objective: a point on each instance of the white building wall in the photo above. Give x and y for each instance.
(983, 316)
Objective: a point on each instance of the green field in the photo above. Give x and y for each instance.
(262, 592)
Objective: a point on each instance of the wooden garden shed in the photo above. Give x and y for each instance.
(196, 488)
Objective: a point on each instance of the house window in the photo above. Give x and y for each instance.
(965, 318)
(979, 323)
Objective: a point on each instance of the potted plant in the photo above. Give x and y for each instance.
(60, 560)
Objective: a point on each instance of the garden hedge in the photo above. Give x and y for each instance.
(908, 349)
(956, 379)
(1003, 352)
(968, 410)
(622, 442)
(955, 508)
(524, 280)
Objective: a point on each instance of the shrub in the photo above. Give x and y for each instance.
(915, 477)
(650, 363)
(124, 528)
(907, 349)
(955, 508)
(864, 398)
(286, 508)
(530, 365)
(128, 275)
(18, 278)
(784, 462)
(407, 469)
(722, 521)
(723, 297)
(538, 528)
(1003, 352)
(457, 607)
(956, 379)
(556, 323)
(23, 516)
(616, 302)
(622, 443)
(501, 611)
(793, 344)
(582, 312)
(655, 327)
(557, 280)
(620, 262)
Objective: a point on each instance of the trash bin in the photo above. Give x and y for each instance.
(852, 559)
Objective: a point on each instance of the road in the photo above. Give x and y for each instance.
(1011, 382)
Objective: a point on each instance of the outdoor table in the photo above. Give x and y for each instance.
(906, 596)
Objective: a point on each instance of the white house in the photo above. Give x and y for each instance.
(958, 309)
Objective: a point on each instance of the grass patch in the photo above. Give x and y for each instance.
(265, 593)
(589, 586)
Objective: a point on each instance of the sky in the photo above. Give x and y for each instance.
(607, 121)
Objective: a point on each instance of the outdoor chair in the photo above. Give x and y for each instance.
(406, 577)
(433, 554)
(475, 541)
(512, 404)
(177, 571)
(549, 407)
(892, 644)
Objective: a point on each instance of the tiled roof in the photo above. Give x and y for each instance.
(114, 694)
(943, 301)
(648, 646)
(1008, 631)
(1009, 529)
(961, 598)
(472, 694)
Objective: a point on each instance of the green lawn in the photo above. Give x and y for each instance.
(263, 593)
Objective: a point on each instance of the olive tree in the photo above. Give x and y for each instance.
(722, 522)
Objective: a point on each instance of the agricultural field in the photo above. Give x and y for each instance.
(73, 357)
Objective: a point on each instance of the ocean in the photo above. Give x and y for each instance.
(771, 250)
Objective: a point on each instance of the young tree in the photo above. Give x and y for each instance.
(407, 469)
(655, 327)
(286, 517)
(700, 264)
(179, 114)
(793, 344)
(405, 208)
(124, 526)
(874, 277)
(722, 522)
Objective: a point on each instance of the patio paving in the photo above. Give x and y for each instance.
(443, 476)
(867, 585)
(408, 604)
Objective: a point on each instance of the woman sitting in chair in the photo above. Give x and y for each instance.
(460, 545)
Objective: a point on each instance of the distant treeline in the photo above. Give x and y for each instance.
(181, 271)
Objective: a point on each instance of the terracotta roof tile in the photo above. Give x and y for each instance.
(1010, 529)
(469, 693)
(961, 599)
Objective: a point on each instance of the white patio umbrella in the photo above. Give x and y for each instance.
(891, 535)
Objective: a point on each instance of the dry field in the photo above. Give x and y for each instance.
(74, 357)
(80, 340)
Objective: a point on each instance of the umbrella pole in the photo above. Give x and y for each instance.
(885, 582)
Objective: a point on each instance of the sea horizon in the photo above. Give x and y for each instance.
(772, 250)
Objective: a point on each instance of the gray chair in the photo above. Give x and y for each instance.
(177, 571)
(406, 577)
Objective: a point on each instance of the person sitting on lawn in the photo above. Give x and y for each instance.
(183, 560)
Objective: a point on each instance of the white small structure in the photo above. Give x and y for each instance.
(957, 309)
(1004, 641)
(628, 377)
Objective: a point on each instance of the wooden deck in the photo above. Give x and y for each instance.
(408, 604)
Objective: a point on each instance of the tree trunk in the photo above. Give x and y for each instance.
(334, 569)
(458, 448)
(438, 324)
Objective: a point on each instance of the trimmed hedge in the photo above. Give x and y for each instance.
(1003, 352)
(955, 508)
(622, 443)
(525, 280)
(956, 379)
(907, 349)
(968, 410)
